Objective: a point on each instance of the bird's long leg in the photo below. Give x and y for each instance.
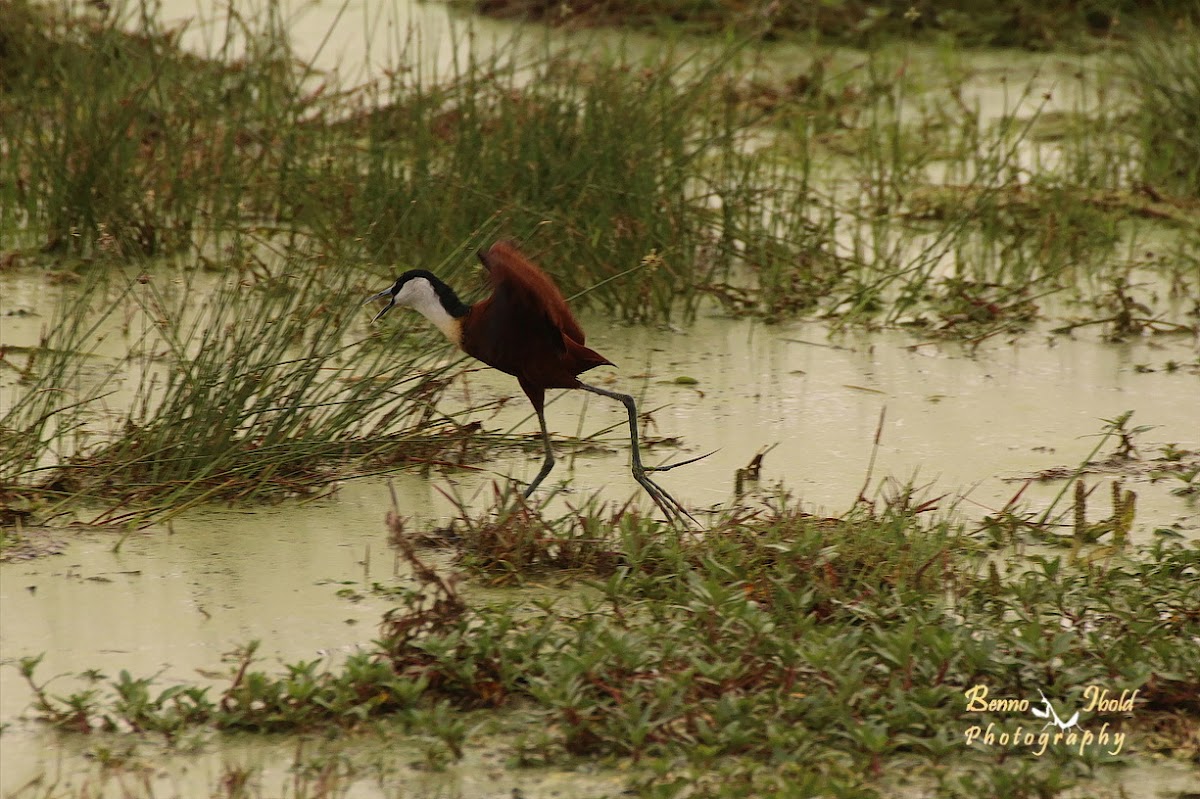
(548, 463)
(667, 503)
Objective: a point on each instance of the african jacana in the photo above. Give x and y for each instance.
(524, 329)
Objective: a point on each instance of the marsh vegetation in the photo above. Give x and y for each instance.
(861, 190)
(214, 218)
(782, 654)
(1004, 23)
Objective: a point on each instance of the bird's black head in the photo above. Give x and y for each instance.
(417, 288)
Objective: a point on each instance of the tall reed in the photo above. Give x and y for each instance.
(62, 384)
(254, 390)
(613, 173)
(1165, 74)
(644, 185)
(117, 139)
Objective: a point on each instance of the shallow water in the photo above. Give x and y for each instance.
(966, 425)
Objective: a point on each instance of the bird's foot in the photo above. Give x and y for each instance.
(671, 507)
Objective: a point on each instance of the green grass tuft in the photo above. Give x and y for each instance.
(1165, 75)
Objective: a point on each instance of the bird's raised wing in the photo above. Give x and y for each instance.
(520, 287)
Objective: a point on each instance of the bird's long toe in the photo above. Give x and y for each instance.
(671, 507)
(668, 467)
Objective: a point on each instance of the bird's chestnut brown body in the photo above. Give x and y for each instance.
(525, 328)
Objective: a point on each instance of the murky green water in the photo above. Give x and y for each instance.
(967, 425)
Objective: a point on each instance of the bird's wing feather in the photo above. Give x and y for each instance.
(522, 287)
(525, 328)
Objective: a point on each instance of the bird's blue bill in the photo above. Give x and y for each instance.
(386, 293)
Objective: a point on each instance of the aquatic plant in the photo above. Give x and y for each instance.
(852, 640)
(518, 541)
(1165, 73)
(608, 171)
(123, 145)
(1012, 23)
(256, 393)
(119, 142)
(646, 186)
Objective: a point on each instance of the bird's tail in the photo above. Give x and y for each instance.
(585, 357)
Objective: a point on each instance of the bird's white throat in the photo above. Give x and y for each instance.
(419, 295)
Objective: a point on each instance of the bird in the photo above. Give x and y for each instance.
(525, 329)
